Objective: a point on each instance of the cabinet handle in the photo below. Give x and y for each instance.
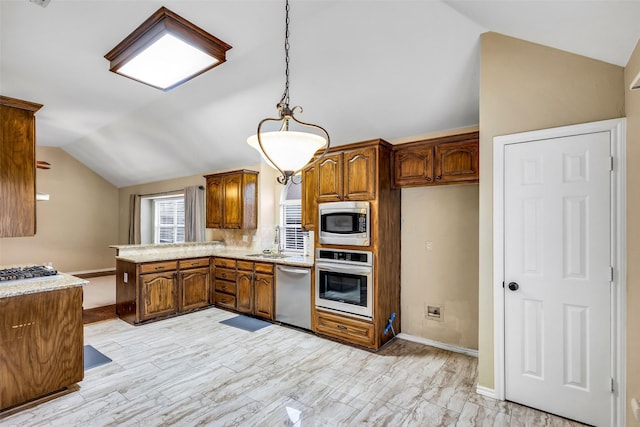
(159, 268)
(438, 178)
(428, 179)
(224, 275)
(344, 328)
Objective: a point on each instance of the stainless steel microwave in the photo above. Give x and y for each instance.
(344, 223)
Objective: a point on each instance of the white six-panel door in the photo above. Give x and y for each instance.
(557, 270)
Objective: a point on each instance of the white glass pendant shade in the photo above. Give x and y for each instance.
(290, 151)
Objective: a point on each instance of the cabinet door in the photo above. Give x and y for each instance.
(41, 338)
(264, 296)
(360, 174)
(413, 167)
(330, 178)
(194, 288)
(214, 204)
(456, 161)
(244, 291)
(233, 201)
(17, 173)
(158, 294)
(309, 194)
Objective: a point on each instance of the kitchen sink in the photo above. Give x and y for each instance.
(269, 256)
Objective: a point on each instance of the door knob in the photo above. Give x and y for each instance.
(513, 286)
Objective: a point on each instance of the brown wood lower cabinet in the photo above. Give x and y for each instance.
(245, 286)
(147, 291)
(41, 341)
(345, 328)
(195, 284)
(158, 294)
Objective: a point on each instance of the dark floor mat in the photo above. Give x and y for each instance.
(93, 358)
(246, 323)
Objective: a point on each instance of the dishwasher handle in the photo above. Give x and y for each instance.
(294, 270)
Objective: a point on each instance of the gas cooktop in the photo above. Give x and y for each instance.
(29, 272)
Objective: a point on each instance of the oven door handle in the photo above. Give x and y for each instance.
(348, 270)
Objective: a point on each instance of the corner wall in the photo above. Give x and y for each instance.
(76, 226)
(525, 86)
(632, 108)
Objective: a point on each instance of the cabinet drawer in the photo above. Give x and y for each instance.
(225, 300)
(264, 267)
(226, 287)
(225, 262)
(192, 263)
(155, 267)
(345, 328)
(225, 274)
(245, 265)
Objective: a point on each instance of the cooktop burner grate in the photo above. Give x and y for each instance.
(29, 272)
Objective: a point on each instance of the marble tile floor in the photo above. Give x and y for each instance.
(191, 370)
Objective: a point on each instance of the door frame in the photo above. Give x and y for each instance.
(617, 128)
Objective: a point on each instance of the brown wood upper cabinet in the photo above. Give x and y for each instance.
(451, 159)
(348, 175)
(232, 200)
(309, 195)
(17, 167)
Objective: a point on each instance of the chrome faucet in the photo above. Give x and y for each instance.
(277, 240)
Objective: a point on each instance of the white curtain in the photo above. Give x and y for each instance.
(194, 214)
(134, 219)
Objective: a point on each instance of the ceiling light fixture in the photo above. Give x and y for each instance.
(287, 150)
(166, 51)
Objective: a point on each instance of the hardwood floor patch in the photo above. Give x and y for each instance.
(98, 314)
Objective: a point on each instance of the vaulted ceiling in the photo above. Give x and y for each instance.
(362, 69)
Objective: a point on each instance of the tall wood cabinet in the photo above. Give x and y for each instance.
(361, 172)
(17, 167)
(232, 200)
(446, 160)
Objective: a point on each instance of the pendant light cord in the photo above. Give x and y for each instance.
(285, 95)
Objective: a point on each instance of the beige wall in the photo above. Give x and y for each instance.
(524, 86)
(632, 108)
(447, 275)
(268, 194)
(76, 226)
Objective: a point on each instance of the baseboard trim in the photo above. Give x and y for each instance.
(437, 344)
(87, 274)
(486, 391)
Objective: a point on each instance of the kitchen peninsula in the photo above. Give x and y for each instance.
(41, 336)
(158, 281)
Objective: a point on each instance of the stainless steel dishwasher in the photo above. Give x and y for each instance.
(293, 296)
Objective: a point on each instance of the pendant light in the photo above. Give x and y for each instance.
(286, 150)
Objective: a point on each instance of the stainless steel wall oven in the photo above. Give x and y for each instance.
(344, 281)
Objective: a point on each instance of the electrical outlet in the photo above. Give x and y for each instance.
(125, 277)
(428, 245)
(245, 238)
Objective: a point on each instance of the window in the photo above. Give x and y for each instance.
(168, 219)
(291, 233)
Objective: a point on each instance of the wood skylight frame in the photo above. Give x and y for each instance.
(165, 22)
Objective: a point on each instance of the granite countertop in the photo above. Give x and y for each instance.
(150, 253)
(14, 288)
